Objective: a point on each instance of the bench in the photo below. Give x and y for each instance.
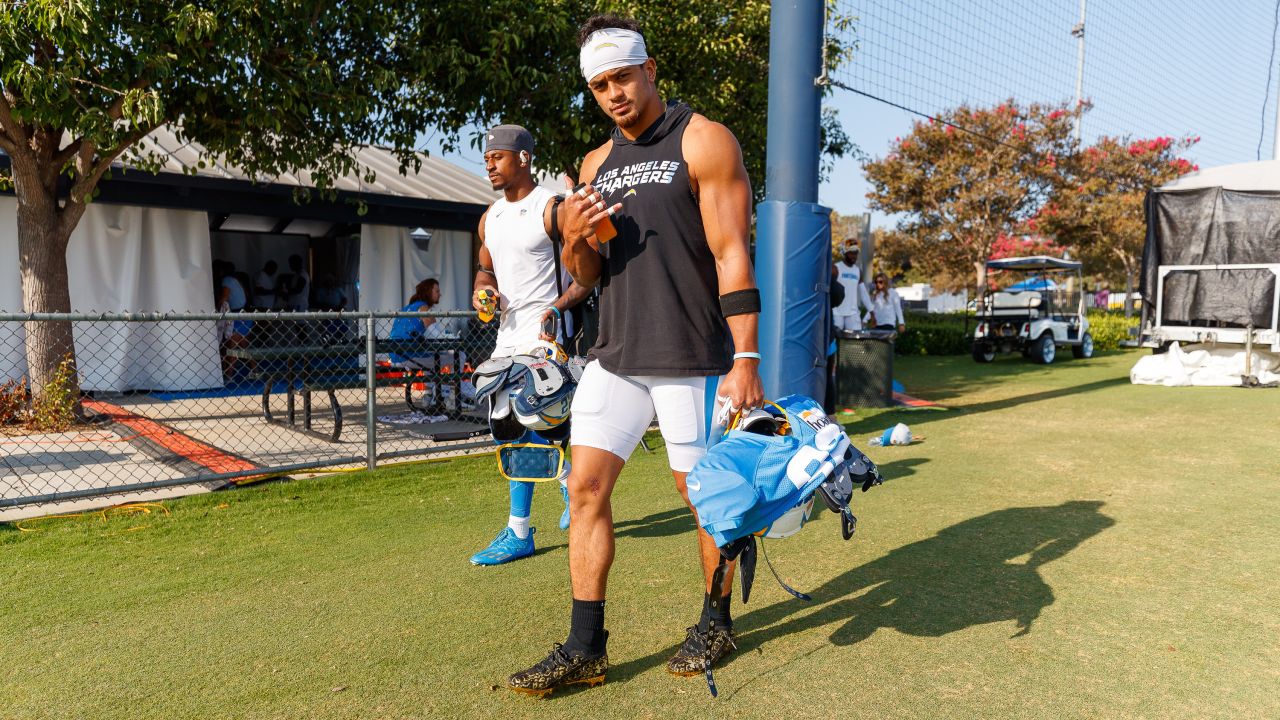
(398, 376)
(330, 382)
(1016, 303)
(328, 368)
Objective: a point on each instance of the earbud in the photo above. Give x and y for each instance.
(524, 158)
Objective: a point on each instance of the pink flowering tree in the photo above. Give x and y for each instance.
(968, 179)
(1097, 208)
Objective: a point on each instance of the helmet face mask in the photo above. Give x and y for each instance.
(837, 491)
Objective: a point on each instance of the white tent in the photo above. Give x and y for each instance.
(145, 246)
(127, 259)
(1253, 176)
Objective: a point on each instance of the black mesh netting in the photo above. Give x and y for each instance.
(1212, 226)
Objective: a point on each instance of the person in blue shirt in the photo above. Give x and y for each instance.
(426, 295)
(231, 297)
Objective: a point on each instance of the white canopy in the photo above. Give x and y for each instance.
(1254, 176)
(126, 257)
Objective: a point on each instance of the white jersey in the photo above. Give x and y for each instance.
(523, 261)
(850, 276)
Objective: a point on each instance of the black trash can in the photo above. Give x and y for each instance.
(864, 368)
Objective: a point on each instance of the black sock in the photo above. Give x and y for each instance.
(721, 613)
(586, 627)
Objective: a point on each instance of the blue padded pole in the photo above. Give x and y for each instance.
(793, 246)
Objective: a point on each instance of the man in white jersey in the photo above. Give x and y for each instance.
(519, 263)
(847, 315)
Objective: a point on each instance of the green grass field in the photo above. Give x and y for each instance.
(1061, 544)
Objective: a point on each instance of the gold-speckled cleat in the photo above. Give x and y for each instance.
(700, 648)
(558, 669)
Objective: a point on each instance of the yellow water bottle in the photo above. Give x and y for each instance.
(488, 304)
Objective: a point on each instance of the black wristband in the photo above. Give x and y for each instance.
(740, 302)
(483, 269)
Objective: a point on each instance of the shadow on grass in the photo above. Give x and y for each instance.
(876, 424)
(660, 524)
(982, 570)
(899, 469)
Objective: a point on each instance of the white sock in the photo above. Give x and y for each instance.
(519, 525)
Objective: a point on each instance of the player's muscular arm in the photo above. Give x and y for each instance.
(719, 180)
(578, 216)
(484, 279)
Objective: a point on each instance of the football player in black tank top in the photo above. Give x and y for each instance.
(679, 310)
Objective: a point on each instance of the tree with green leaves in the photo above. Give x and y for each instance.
(1098, 206)
(715, 56)
(967, 179)
(274, 86)
(267, 86)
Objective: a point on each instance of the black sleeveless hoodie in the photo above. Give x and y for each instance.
(659, 300)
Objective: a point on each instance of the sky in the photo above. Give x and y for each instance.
(1175, 67)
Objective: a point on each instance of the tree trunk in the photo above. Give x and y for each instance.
(1128, 288)
(43, 234)
(980, 268)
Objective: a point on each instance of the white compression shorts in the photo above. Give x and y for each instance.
(611, 412)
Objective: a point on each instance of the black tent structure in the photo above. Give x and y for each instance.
(1211, 264)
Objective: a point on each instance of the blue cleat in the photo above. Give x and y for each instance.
(564, 493)
(564, 516)
(505, 548)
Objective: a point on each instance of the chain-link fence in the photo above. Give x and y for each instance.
(95, 405)
(1175, 67)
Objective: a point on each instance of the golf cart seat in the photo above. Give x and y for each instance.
(1016, 303)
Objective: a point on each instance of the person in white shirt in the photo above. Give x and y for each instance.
(296, 293)
(885, 311)
(264, 287)
(848, 314)
(518, 263)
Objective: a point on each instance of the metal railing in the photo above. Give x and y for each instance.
(103, 404)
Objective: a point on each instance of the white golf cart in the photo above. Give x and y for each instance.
(1043, 310)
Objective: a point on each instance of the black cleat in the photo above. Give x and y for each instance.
(560, 668)
(700, 649)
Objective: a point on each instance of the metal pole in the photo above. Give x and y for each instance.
(867, 251)
(1078, 33)
(793, 232)
(370, 391)
(1275, 140)
(795, 62)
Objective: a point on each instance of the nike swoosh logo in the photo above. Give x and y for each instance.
(693, 485)
(629, 193)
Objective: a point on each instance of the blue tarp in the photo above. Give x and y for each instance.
(1039, 283)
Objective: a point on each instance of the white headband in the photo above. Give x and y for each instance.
(610, 49)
